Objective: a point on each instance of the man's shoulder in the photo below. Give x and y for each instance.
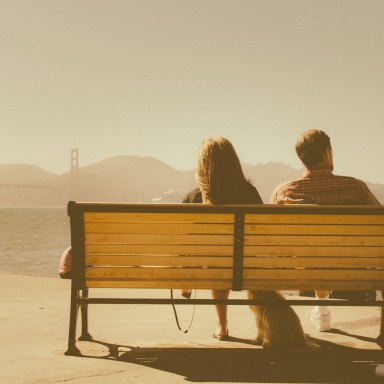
(283, 189)
(288, 185)
(359, 189)
(350, 180)
(329, 180)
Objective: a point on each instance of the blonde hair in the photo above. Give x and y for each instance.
(219, 173)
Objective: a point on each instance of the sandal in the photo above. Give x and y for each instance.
(221, 337)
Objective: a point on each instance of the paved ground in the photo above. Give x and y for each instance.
(141, 344)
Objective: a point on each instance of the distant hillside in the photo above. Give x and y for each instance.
(126, 179)
(136, 178)
(22, 184)
(23, 174)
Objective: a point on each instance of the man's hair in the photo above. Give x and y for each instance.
(219, 173)
(312, 146)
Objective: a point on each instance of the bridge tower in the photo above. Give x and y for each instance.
(74, 182)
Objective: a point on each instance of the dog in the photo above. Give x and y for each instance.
(279, 326)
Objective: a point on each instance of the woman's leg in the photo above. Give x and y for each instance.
(221, 310)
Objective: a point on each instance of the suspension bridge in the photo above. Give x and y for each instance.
(74, 177)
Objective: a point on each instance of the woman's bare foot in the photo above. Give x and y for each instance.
(221, 333)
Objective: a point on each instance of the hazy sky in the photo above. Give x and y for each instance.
(156, 77)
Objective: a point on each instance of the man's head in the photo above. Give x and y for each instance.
(314, 149)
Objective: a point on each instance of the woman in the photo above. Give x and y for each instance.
(221, 181)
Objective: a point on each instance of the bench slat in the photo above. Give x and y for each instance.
(161, 284)
(289, 250)
(309, 274)
(159, 260)
(157, 239)
(315, 229)
(121, 217)
(314, 262)
(165, 228)
(341, 285)
(313, 219)
(163, 249)
(314, 240)
(157, 272)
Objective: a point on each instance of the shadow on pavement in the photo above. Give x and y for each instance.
(333, 364)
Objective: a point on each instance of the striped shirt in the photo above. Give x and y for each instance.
(324, 188)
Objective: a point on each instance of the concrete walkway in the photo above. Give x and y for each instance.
(141, 344)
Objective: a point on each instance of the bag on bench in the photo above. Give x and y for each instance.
(65, 266)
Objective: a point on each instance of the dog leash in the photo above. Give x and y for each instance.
(177, 318)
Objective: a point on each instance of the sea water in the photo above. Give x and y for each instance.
(32, 240)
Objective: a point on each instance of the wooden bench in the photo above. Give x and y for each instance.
(195, 246)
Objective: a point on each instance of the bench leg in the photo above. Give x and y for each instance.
(72, 349)
(380, 339)
(85, 336)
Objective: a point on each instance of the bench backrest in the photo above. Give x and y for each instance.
(227, 247)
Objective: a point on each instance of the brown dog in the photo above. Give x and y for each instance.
(278, 325)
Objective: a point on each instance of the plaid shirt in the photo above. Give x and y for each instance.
(324, 188)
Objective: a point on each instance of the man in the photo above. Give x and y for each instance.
(319, 185)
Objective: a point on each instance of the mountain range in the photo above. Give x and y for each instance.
(126, 179)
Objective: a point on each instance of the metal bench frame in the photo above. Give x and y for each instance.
(80, 286)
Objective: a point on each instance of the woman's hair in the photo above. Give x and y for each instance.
(219, 173)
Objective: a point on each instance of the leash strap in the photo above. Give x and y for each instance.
(177, 318)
